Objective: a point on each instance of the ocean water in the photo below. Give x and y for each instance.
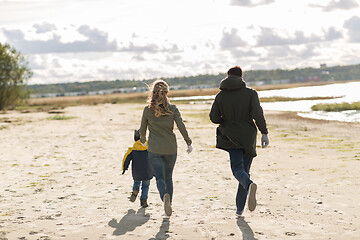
(344, 92)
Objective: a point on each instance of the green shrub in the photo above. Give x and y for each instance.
(336, 107)
(59, 117)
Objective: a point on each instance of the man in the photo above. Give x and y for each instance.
(235, 108)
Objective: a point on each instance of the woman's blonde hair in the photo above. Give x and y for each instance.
(158, 100)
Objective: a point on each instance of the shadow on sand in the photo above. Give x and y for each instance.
(163, 231)
(246, 230)
(129, 222)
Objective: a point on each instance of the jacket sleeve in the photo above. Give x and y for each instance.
(181, 126)
(257, 113)
(215, 115)
(143, 127)
(126, 160)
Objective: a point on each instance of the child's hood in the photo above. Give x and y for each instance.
(139, 147)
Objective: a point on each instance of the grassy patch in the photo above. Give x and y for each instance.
(202, 116)
(45, 175)
(7, 214)
(60, 117)
(34, 184)
(314, 169)
(336, 107)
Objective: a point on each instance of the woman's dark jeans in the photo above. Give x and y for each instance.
(163, 166)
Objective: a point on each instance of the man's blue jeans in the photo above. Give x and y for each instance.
(163, 166)
(144, 188)
(240, 166)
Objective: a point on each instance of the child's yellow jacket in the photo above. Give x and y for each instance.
(141, 168)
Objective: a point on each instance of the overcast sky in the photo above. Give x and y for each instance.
(85, 40)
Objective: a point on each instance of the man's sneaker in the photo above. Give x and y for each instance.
(134, 195)
(143, 203)
(239, 213)
(251, 198)
(167, 205)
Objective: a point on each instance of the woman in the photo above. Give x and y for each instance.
(159, 117)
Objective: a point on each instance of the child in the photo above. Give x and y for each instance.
(142, 171)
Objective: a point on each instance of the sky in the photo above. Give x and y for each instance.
(86, 40)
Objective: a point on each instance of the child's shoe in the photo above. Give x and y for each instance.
(143, 203)
(134, 195)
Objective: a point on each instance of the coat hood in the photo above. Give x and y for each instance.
(232, 83)
(139, 147)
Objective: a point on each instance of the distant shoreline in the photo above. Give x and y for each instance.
(65, 101)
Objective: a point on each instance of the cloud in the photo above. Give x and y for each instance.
(250, 3)
(60, 74)
(44, 27)
(97, 41)
(333, 34)
(286, 55)
(173, 58)
(337, 5)
(309, 51)
(353, 27)
(231, 40)
(277, 52)
(149, 48)
(268, 37)
(36, 62)
(236, 53)
(138, 58)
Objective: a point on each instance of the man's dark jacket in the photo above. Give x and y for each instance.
(235, 108)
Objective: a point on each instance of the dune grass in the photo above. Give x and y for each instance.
(60, 117)
(336, 107)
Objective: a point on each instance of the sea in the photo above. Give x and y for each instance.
(343, 92)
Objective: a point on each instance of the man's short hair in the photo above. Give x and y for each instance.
(235, 71)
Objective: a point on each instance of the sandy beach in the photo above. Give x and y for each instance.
(61, 179)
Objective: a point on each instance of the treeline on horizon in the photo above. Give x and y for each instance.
(252, 77)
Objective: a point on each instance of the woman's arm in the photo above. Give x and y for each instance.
(181, 126)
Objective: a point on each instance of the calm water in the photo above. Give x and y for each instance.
(346, 92)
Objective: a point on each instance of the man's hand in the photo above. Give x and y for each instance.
(189, 149)
(264, 140)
